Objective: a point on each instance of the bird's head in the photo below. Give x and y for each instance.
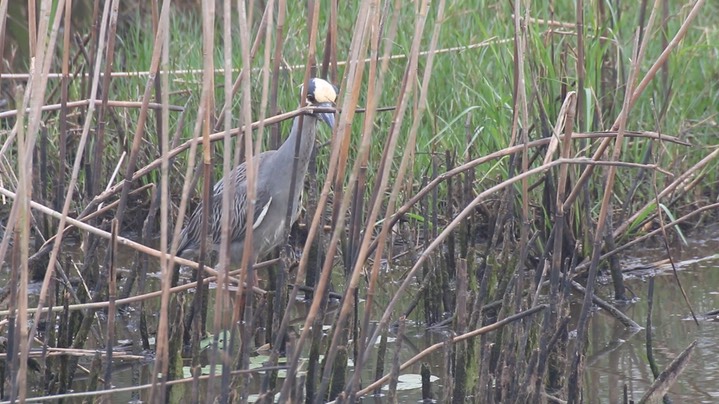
(321, 93)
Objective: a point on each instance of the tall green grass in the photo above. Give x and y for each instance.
(474, 84)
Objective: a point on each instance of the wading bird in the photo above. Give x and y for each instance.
(273, 178)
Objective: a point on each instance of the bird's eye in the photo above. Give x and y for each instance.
(311, 98)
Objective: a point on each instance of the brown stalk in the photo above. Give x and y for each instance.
(3, 21)
(62, 144)
(370, 24)
(276, 59)
(375, 86)
(348, 103)
(521, 104)
(222, 295)
(97, 153)
(23, 231)
(205, 121)
(111, 296)
(410, 78)
(661, 60)
(570, 102)
(228, 70)
(367, 22)
(39, 85)
(580, 66)
(582, 326)
(166, 266)
(247, 59)
(32, 25)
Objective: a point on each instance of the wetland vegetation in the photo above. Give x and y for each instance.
(494, 167)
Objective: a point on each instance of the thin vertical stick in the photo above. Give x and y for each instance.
(3, 21)
(276, 59)
(159, 373)
(23, 201)
(349, 101)
(111, 295)
(45, 55)
(247, 275)
(410, 74)
(222, 296)
(61, 165)
(581, 118)
(582, 325)
(32, 27)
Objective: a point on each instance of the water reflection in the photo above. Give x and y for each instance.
(616, 358)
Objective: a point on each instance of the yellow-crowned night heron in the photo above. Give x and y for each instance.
(274, 175)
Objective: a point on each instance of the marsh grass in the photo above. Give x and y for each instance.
(456, 171)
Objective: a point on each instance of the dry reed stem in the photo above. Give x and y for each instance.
(348, 103)
(343, 199)
(406, 161)
(583, 323)
(52, 351)
(83, 103)
(375, 87)
(111, 297)
(222, 298)
(19, 388)
(371, 23)
(3, 21)
(44, 54)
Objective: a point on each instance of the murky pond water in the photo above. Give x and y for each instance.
(616, 357)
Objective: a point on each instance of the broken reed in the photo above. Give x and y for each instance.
(499, 234)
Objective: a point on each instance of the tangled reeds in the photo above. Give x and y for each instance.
(480, 219)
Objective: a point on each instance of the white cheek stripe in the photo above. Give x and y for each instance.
(262, 215)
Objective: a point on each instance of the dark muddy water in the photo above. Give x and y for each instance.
(617, 358)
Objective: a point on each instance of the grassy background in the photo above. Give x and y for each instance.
(472, 85)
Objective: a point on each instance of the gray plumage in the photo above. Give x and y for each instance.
(273, 178)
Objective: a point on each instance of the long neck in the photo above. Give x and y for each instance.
(306, 137)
